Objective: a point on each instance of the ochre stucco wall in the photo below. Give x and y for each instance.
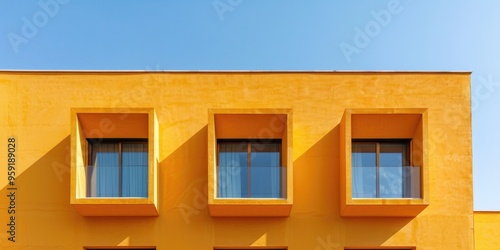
(35, 109)
(487, 230)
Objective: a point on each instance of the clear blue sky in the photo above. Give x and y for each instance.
(273, 35)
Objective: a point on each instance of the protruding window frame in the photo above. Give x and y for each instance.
(116, 123)
(398, 123)
(250, 124)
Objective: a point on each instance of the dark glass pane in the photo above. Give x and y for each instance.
(364, 154)
(393, 154)
(265, 155)
(233, 147)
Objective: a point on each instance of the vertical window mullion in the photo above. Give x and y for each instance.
(409, 153)
(377, 170)
(218, 152)
(119, 169)
(249, 173)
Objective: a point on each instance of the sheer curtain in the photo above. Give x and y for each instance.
(135, 170)
(107, 178)
(389, 172)
(232, 173)
(234, 178)
(357, 174)
(364, 170)
(105, 168)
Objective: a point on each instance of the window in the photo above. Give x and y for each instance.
(250, 162)
(249, 169)
(383, 162)
(380, 169)
(118, 168)
(114, 161)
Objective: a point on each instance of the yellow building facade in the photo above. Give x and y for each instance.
(486, 230)
(236, 160)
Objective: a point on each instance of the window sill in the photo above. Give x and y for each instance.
(250, 199)
(383, 207)
(115, 206)
(110, 123)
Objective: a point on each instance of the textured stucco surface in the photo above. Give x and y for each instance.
(487, 230)
(35, 108)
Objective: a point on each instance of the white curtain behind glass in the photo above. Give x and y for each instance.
(357, 175)
(232, 170)
(135, 170)
(363, 170)
(108, 179)
(105, 166)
